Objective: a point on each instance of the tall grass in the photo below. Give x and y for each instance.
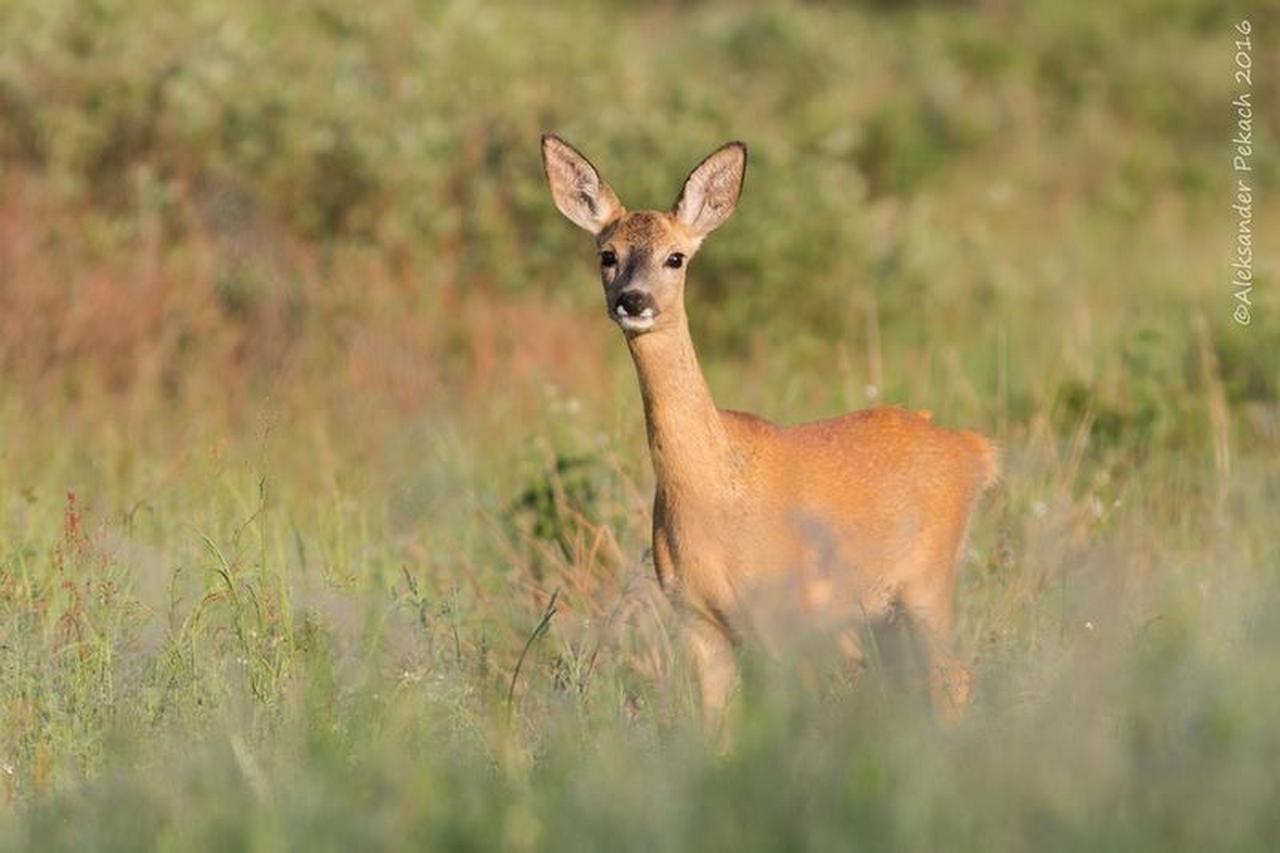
(308, 410)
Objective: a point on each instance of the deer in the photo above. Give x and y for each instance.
(854, 519)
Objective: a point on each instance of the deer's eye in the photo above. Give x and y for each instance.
(608, 258)
(675, 260)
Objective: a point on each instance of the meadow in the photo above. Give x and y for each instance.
(323, 479)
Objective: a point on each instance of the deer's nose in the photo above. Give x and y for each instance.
(632, 303)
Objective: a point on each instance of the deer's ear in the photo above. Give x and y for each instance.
(579, 191)
(711, 191)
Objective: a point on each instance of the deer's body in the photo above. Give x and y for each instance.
(841, 520)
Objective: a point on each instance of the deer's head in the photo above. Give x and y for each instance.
(644, 254)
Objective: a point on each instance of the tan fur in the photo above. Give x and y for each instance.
(842, 520)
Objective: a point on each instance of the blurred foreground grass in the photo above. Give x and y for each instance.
(307, 406)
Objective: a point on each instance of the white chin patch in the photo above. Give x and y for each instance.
(643, 323)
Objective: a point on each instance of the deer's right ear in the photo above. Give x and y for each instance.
(578, 190)
(711, 191)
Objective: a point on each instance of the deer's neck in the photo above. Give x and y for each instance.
(687, 438)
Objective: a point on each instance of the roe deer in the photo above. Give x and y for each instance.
(857, 516)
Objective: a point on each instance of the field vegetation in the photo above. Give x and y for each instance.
(323, 482)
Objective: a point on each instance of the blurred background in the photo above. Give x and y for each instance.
(308, 404)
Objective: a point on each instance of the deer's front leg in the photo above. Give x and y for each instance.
(717, 670)
(708, 638)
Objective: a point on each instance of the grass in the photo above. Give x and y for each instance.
(309, 416)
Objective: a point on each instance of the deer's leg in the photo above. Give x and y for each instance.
(716, 667)
(930, 613)
(850, 645)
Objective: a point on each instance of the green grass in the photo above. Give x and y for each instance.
(308, 408)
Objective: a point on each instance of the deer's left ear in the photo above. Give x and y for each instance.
(712, 189)
(577, 188)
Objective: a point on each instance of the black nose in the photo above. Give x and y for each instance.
(632, 302)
